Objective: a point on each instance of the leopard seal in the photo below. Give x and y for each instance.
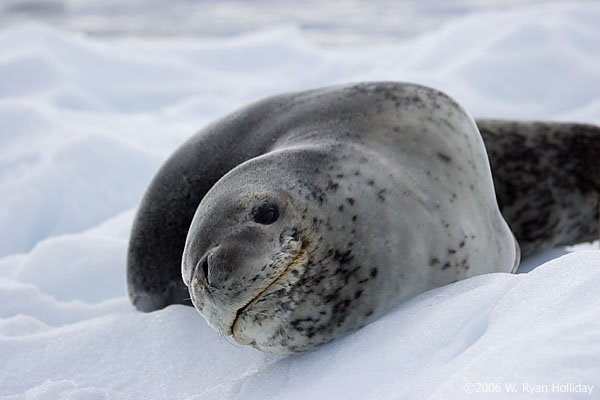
(304, 216)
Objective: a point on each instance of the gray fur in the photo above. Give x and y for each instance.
(384, 191)
(547, 180)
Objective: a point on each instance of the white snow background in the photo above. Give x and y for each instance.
(84, 124)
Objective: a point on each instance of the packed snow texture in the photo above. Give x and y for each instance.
(84, 124)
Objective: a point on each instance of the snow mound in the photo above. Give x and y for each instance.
(539, 328)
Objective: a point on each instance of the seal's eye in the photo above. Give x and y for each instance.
(265, 213)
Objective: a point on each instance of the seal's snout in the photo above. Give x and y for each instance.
(201, 270)
(215, 268)
(204, 268)
(198, 270)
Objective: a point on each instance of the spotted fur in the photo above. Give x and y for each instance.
(383, 191)
(547, 179)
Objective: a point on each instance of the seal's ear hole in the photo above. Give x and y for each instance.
(265, 214)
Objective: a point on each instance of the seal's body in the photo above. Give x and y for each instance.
(307, 215)
(547, 180)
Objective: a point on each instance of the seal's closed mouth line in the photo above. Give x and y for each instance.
(279, 278)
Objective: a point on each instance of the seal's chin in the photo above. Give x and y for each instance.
(248, 322)
(255, 310)
(274, 285)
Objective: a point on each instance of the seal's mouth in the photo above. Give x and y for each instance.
(295, 261)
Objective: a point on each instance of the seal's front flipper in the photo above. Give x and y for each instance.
(173, 295)
(547, 180)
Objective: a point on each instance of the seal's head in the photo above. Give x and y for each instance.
(247, 250)
(272, 259)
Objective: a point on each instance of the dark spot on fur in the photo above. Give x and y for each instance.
(350, 201)
(434, 261)
(373, 272)
(444, 157)
(332, 186)
(464, 264)
(380, 195)
(446, 266)
(343, 258)
(341, 207)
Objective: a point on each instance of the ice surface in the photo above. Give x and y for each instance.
(85, 123)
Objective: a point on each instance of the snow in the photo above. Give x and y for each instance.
(84, 124)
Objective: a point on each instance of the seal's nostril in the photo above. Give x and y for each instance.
(205, 269)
